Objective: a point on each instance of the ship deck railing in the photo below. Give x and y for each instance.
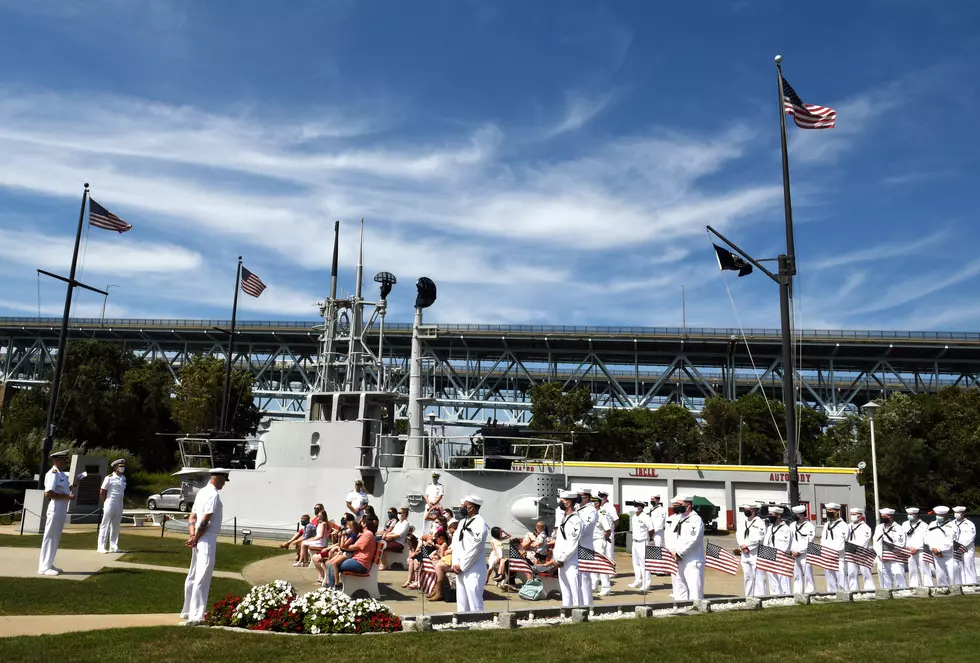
(470, 453)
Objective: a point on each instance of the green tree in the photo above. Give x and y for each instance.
(719, 431)
(148, 388)
(197, 401)
(676, 435)
(622, 435)
(553, 409)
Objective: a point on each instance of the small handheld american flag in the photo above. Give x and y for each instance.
(517, 563)
(100, 217)
(859, 555)
(719, 559)
(928, 557)
(958, 550)
(892, 553)
(657, 559)
(774, 561)
(428, 576)
(807, 116)
(822, 556)
(590, 561)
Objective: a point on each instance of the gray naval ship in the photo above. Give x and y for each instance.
(348, 432)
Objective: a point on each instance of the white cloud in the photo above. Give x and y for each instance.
(912, 289)
(882, 251)
(580, 110)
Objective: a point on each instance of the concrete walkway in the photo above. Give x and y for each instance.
(57, 624)
(76, 564)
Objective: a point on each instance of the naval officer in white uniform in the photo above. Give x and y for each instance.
(602, 542)
(640, 526)
(112, 492)
(920, 573)
(469, 556)
(568, 535)
(589, 515)
(203, 526)
(59, 492)
(685, 538)
(778, 536)
(940, 538)
(890, 574)
(748, 539)
(803, 533)
(833, 538)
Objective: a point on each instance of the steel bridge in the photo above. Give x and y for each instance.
(472, 373)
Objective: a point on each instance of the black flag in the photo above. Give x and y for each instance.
(732, 261)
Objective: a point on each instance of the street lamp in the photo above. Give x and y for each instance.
(870, 411)
(105, 300)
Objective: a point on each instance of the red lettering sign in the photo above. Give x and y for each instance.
(784, 476)
(648, 472)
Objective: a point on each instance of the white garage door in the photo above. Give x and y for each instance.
(640, 490)
(577, 483)
(713, 491)
(746, 493)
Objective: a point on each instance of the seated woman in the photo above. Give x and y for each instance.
(355, 557)
(391, 520)
(394, 537)
(316, 543)
(414, 561)
(442, 559)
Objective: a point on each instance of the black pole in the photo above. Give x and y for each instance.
(226, 392)
(59, 361)
(787, 270)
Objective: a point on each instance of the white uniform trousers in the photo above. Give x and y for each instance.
(606, 548)
(969, 566)
(198, 583)
(947, 569)
(658, 538)
(802, 576)
(469, 588)
(753, 580)
(779, 585)
(836, 580)
(641, 577)
(109, 527)
(853, 571)
(891, 575)
(920, 573)
(53, 525)
(568, 582)
(688, 583)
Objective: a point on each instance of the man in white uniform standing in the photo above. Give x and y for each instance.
(112, 492)
(434, 493)
(59, 493)
(920, 574)
(603, 543)
(204, 525)
(658, 519)
(859, 533)
(685, 538)
(589, 515)
(470, 556)
(748, 539)
(641, 529)
(833, 538)
(966, 535)
(940, 539)
(568, 535)
(357, 499)
(778, 536)
(891, 574)
(803, 533)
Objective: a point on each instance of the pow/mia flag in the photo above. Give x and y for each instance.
(732, 261)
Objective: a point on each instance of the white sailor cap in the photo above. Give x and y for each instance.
(59, 454)
(775, 509)
(585, 491)
(118, 461)
(832, 506)
(474, 499)
(749, 506)
(799, 508)
(567, 495)
(959, 509)
(683, 498)
(941, 510)
(856, 511)
(911, 509)
(886, 511)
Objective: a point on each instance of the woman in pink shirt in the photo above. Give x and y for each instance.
(362, 554)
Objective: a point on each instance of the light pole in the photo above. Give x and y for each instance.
(870, 410)
(105, 300)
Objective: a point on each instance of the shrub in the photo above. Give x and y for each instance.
(221, 612)
(256, 606)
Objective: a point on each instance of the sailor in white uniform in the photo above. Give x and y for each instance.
(803, 533)
(568, 535)
(833, 537)
(59, 491)
(939, 538)
(966, 535)
(112, 492)
(685, 538)
(470, 556)
(589, 515)
(434, 493)
(891, 574)
(640, 527)
(920, 573)
(658, 519)
(859, 533)
(748, 539)
(204, 525)
(602, 542)
(357, 499)
(778, 536)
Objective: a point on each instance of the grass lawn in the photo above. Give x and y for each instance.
(112, 591)
(166, 551)
(894, 631)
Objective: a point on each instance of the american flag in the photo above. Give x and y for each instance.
(719, 559)
(251, 284)
(590, 561)
(958, 550)
(100, 217)
(807, 116)
(659, 560)
(428, 576)
(859, 555)
(518, 563)
(928, 557)
(774, 561)
(822, 556)
(892, 553)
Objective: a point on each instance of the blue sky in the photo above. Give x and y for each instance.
(544, 163)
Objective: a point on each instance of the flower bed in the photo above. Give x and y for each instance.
(277, 607)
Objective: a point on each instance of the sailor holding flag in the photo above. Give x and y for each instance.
(469, 556)
(568, 536)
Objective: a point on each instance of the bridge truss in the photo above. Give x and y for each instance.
(472, 373)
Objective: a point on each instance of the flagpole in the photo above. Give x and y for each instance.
(226, 391)
(787, 270)
(59, 362)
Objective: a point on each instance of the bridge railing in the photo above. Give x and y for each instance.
(714, 332)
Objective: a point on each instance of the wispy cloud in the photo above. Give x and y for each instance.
(883, 251)
(909, 290)
(580, 109)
